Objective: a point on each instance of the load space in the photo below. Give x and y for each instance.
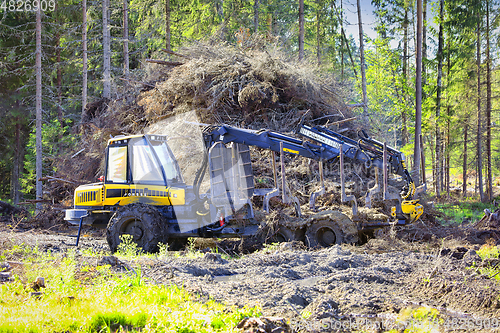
(143, 196)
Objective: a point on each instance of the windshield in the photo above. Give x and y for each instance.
(167, 161)
(147, 162)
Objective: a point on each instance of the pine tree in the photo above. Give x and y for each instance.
(38, 66)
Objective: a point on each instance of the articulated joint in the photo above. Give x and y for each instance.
(408, 191)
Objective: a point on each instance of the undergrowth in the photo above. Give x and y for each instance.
(492, 270)
(91, 298)
(465, 212)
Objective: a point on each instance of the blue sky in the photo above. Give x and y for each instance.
(351, 16)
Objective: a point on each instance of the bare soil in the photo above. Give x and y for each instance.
(371, 284)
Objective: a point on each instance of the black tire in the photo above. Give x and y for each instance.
(329, 228)
(284, 234)
(323, 234)
(143, 222)
(177, 243)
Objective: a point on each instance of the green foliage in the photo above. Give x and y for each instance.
(419, 320)
(115, 320)
(85, 298)
(467, 211)
(127, 247)
(56, 140)
(386, 90)
(162, 250)
(491, 271)
(488, 251)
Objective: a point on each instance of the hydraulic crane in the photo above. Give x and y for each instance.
(331, 145)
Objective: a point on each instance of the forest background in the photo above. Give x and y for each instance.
(81, 59)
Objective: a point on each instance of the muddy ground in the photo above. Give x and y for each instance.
(360, 287)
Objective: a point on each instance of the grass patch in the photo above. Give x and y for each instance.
(418, 320)
(467, 211)
(85, 298)
(489, 251)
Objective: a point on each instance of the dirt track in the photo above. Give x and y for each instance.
(369, 284)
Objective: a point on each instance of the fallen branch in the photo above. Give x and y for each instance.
(77, 153)
(175, 53)
(342, 121)
(50, 178)
(358, 105)
(163, 62)
(30, 202)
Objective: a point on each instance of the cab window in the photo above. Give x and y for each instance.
(145, 168)
(117, 165)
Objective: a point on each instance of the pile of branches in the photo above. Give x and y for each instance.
(249, 88)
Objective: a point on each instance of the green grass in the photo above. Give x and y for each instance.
(94, 299)
(488, 251)
(418, 320)
(467, 211)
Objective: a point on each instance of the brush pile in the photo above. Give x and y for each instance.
(247, 88)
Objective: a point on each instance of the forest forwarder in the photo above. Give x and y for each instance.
(143, 193)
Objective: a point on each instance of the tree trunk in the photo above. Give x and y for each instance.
(126, 63)
(256, 15)
(342, 40)
(438, 167)
(464, 164)
(168, 44)
(270, 19)
(106, 40)
(488, 104)
(433, 162)
(404, 131)
(301, 30)
(424, 46)
(362, 63)
(479, 125)
(17, 163)
(448, 113)
(219, 7)
(418, 96)
(38, 103)
(84, 58)
(58, 72)
(318, 35)
(447, 154)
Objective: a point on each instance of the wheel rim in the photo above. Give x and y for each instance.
(326, 236)
(135, 228)
(280, 238)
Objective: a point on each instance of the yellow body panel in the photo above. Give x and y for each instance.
(94, 195)
(89, 195)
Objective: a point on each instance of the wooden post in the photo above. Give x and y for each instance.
(384, 171)
(283, 176)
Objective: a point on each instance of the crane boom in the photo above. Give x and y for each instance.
(330, 143)
(366, 149)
